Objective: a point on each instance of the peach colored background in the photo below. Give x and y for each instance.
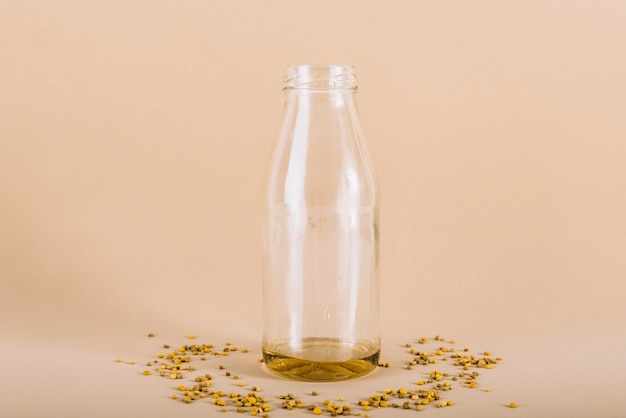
(134, 137)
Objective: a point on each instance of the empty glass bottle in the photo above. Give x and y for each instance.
(321, 297)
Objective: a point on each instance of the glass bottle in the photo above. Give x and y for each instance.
(320, 290)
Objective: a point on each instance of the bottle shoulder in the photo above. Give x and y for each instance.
(349, 182)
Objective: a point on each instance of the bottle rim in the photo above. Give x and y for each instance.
(319, 77)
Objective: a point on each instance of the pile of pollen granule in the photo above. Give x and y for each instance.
(432, 391)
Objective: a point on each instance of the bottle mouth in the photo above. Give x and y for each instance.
(319, 77)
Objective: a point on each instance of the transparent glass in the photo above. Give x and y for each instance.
(321, 292)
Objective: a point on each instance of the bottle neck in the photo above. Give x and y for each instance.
(319, 78)
(334, 99)
(328, 111)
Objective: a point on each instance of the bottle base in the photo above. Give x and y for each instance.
(321, 370)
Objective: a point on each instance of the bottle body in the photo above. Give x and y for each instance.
(321, 320)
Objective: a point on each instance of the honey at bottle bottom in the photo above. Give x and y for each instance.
(364, 359)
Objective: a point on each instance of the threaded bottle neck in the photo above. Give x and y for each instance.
(319, 77)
